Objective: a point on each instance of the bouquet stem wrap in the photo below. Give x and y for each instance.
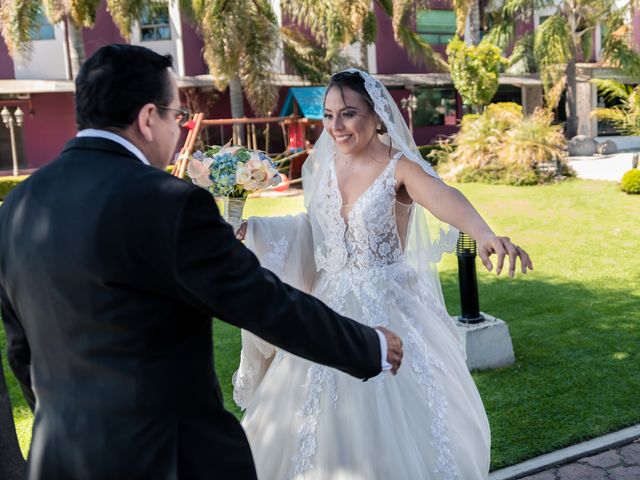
(233, 207)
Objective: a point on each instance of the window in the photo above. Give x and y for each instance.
(436, 106)
(154, 23)
(436, 27)
(43, 30)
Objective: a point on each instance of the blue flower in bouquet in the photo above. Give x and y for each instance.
(232, 171)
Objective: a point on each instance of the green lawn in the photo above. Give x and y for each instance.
(574, 321)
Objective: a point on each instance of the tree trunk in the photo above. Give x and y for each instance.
(474, 23)
(11, 459)
(364, 55)
(572, 88)
(237, 104)
(572, 108)
(75, 42)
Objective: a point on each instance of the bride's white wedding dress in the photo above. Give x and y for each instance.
(306, 421)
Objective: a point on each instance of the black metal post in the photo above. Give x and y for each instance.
(466, 251)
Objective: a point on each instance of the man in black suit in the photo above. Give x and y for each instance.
(110, 272)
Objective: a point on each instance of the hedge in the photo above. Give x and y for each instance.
(9, 183)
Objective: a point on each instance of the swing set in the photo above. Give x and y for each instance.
(293, 128)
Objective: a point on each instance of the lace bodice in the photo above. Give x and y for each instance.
(367, 236)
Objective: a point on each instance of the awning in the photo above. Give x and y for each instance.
(309, 101)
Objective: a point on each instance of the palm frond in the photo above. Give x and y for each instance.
(611, 89)
(502, 33)
(124, 13)
(522, 59)
(305, 57)
(55, 10)
(370, 28)
(551, 41)
(461, 9)
(83, 12)
(419, 50)
(618, 52)
(17, 21)
(624, 117)
(240, 38)
(554, 81)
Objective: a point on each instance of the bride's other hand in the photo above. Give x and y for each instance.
(503, 247)
(394, 349)
(242, 230)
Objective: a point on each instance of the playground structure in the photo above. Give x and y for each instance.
(293, 129)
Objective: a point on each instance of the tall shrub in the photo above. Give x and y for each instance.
(502, 145)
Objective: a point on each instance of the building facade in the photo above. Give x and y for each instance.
(42, 84)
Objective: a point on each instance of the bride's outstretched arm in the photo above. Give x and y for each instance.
(451, 206)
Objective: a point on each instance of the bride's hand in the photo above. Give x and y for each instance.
(502, 246)
(242, 230)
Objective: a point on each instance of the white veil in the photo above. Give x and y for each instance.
(427, 237)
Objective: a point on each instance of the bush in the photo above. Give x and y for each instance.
(631, 181)
(502, 145)
(9, 183)
(430, 153)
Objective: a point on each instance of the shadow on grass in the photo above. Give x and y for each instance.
(576, 374)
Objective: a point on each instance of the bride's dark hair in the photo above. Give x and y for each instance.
(355, 82)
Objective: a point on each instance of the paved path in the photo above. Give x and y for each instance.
(602, 167)
(621, 463)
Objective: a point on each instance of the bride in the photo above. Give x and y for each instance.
(365, 249)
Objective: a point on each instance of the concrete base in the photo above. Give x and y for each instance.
(488, 344)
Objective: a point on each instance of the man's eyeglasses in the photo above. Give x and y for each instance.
(182, 114)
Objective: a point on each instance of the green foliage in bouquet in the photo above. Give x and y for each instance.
(502, 145)
(631, 181)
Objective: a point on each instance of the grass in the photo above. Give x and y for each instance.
(574, 321)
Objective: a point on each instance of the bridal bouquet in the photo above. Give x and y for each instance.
(232, 172)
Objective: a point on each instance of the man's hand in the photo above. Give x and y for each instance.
(242, 230)
(394, 349)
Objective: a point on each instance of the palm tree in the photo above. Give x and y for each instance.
(19, 17)
(565, 36)
(339, 23)
(624, 117)
(240, 38)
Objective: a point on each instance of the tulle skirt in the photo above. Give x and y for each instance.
(307, 421)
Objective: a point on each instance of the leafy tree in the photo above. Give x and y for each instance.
(565, 37)
(19, 18)
(474, 70)
(338, 23)
(240, 38)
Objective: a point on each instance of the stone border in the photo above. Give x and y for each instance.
(568, 454)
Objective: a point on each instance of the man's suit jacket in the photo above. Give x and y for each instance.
(110, 272)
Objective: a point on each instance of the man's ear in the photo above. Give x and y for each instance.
(145, 120)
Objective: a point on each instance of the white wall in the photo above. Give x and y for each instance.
(47, 60)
